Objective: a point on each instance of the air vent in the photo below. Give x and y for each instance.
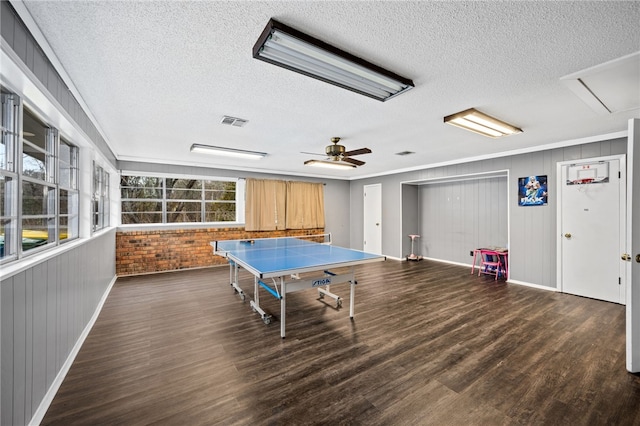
(405, 153)
(233, 121)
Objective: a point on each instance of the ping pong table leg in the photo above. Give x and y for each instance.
(283, 306)
(255, 303)
(351, 298)
(256, 293)
(233, 278)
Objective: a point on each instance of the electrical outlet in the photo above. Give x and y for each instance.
(471, 253)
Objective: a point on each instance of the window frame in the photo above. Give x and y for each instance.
(238, 201)
(20, 243)
(72, 190)
(10, 217)
(49, 216)
(100, 198)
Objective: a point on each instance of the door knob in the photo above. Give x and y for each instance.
(377, 224)
(638, 258)
(626, 256)
(567, 235)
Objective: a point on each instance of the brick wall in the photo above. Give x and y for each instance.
(142, 252)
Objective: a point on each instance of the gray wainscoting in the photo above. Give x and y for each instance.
(44, 311)
(464, 214)
(532, 245)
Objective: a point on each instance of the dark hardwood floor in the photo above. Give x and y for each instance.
(430, 345)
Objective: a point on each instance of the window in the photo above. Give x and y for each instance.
(220, 201)
(9, 176)
(69, 197)
(38, 183)
(184, 200)
(148, 199)
(100, 198)
(39, 197)
(141, 199)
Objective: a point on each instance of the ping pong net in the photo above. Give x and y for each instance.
(274, 242)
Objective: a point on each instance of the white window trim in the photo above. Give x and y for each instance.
(240, 203)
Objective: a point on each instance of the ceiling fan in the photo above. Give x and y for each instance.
(338, 152)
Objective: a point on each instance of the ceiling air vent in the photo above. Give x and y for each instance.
(233, 121)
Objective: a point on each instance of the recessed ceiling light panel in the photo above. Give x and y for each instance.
(480, 123)
(227, 152)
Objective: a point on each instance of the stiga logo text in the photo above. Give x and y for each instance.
(322, 282)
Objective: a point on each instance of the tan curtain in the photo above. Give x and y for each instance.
(305, 205)
(317, 210)
(265, 205)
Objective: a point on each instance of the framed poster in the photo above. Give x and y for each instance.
(532, 191)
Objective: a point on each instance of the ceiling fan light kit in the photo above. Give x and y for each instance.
(289, 48)
(339, 157)
(227, 152)
(483, 124)
(330, 164)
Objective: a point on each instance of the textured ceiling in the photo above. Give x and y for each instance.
(159, 76)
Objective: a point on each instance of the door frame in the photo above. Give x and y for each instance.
(633, 248)
(491, 174)
(622, 209)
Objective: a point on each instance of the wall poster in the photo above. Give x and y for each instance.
(532, 191)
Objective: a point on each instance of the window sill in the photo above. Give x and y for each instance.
(173, 226)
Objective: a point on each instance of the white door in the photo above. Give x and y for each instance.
(373, 218)
(592, 230)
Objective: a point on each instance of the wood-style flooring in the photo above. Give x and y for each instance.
(430, 345)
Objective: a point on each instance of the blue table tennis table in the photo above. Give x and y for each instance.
(276, 265)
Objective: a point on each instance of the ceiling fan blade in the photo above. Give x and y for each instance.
(353, 161)
(357, 152)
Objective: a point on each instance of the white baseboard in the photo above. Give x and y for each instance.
(449, 262)
(538, 286)
(509, 281)
(57, 382)
(395, 258)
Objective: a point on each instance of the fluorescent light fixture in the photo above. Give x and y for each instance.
(289, 48)
(329, 164)
(226, 152)
(480, 123)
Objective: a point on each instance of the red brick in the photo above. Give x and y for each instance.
(139, 252)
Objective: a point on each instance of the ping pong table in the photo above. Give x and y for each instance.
(276, 265)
